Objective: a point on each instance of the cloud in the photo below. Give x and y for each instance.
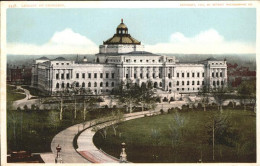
(206, 42)
(64, 42)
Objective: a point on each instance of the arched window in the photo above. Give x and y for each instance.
(113, 84)
(101, 84)
(68, 85)
(214, 83)
(89, 84)
(106, 84)
(177, 83)
(217, 82)
(95, 84)
(143, 84)
(170, 84)
(155, 84)
(77, 84)
(57, 85)
(222, 82)
(182, 82)
(160, 84)
(62, 85)
(83, 85)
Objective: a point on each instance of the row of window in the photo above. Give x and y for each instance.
(95, 75)
(217, 75)
(83, 85)
(128, 60)
(62, 63)
(188, 75)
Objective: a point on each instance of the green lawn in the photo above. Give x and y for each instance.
(12, 94)
(193, 143)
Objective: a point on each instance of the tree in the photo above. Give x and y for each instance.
(204, 93)
(89, 100)
(146, 95)
(176, 127)
(155, 135)
(247, 91)
(60, 95)
(220, 95)
(127, 93)
(220, 131)
(117, 117)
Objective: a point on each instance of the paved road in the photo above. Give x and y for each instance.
(87, 151)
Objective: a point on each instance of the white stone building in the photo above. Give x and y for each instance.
(122, 58)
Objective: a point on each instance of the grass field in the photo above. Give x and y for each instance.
(12, 94)
(193, 144)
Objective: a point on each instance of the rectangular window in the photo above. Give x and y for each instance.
(62, 63)
(153, 75)
(89, 75)
(83, 75)
(177, 89)
(160, 76)
(220, 74)
(57, 76)
(57, 63)
(95, 75)
(216, 74)
(188, 74)
(134, 75)
(212, 74)
(169, 75)
(198, 83)
(141, 75)
(77, 75)
(107, 75)
(202, 82)
(182, 75)
(113, 75)
(202, 74)
(62, 76)
(68, 76)
(101, 75)
(198, 74)
(67, 63)
(147, 75)
(126, 75)
(182, 82)
(188, 82)
(192, 82)
(178, 74)
(193, 74)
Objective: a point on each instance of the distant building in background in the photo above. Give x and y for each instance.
(19, 75)
(122, 58)
(238, 74)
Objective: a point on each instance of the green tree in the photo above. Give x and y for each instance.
(220, 94)
(204, 94)
(247, 91)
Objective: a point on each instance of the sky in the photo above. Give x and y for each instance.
(166, 30)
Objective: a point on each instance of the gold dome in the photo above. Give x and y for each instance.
(122, 25)
(122, 36)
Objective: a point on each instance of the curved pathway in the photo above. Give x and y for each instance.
(87, 151)
(24, 101)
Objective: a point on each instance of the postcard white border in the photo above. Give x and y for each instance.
(115, 4)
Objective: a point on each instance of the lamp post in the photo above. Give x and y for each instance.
(123, 154)
(58, 158)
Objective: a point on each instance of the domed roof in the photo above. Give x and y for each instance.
(122, 36)
(122, 25)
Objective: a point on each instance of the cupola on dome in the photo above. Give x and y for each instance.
(122, 36)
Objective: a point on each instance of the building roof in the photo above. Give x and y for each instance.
(59, 59)
(43, 58)
(122, 36)
(141, 53)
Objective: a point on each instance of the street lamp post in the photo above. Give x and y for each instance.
(58, 158)
(123, 154)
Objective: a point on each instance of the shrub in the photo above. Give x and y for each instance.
(25, 107)
(106, 106)
(18, 109)
(165, 99)
(158, 99)
(161, 111)
(172, 99)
